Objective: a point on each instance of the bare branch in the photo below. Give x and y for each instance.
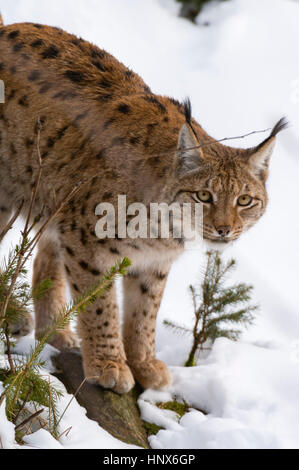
(11, 222)
(23, 405)
(224, 139)
(8, 349)
(74, 396)
(29, 419)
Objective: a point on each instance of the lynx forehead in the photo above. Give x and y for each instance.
(102, 124)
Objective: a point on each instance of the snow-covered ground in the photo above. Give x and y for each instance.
(241, 73)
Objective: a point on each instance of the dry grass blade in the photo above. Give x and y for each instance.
(65, 432)
(29, 419)
(74, 396)
(8, 349)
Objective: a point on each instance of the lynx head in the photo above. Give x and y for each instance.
(229, 182)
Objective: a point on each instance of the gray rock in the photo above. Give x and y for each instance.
(117, 414)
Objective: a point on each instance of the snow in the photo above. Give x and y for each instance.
(41, 439)
(76, 430)
(7, 429)
(242, 74)
(249, 392)
(27, 344)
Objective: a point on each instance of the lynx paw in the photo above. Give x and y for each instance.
(64, 340)
(22, 326)
(152, 374)
(109, 374)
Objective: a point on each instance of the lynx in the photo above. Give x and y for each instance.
(102, 124)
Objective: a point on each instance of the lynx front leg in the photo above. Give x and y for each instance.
(142, 297)
(104, 359)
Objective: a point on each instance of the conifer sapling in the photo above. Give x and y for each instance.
(217, 309)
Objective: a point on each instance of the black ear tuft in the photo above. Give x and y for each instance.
(279, 126)
(187, 110)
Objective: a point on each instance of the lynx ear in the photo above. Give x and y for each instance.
(259, 157)
(190, 154)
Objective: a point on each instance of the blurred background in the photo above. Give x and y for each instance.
(238, 61)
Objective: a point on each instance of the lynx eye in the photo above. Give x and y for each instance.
(244, 200)
(204, 196)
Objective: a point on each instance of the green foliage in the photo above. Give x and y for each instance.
(179, 408)
(218, 309)
(151, 428)
(25, 386)
(21, 298)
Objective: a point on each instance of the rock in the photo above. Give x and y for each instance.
(117, 414)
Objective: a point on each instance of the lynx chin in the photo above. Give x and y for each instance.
(101, 123)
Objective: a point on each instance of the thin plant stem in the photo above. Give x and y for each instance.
(8, 349)
(74, 396)
(29, 419)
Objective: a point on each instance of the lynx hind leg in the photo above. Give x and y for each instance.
(49, 265)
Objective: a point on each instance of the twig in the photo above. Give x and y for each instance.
(10, 361)
(23, 405)
(27, 248)
(74, 396)
(40, 232)
(25, 232)
(54, 197)
(213, 142)
(37, 182)
(51, 410)
(50, 402)
(204, 144)
(11, 222)
(66, 432)
(30, 418)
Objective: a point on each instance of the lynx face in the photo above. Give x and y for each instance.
(234, 204)
(229, 183)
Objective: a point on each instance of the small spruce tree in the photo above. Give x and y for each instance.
(217, 309)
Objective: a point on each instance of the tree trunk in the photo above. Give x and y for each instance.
(117, 414)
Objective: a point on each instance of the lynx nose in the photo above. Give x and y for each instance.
(223, 230)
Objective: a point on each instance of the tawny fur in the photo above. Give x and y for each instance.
(102, 124)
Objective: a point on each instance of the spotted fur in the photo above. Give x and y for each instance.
(101, 124)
